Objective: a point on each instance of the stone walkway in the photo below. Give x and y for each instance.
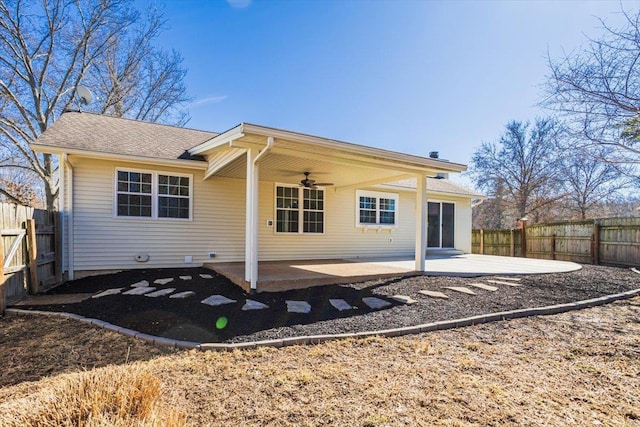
(143, 288)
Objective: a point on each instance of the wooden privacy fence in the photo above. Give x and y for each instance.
(30, 249)
(611, 241)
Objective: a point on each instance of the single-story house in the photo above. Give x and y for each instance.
(145, 195)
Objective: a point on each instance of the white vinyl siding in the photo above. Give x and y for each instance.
(104, 242)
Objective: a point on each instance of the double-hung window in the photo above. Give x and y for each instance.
(376, 209)
(150, 194)
(294, 204)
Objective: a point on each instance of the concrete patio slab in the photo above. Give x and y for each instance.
(276, 276)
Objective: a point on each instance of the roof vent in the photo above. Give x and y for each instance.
(434, 154)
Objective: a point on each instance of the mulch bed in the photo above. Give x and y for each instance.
(188, 319)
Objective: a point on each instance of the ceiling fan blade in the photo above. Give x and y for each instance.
(323, 184)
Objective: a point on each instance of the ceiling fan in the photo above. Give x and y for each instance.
(311, 183)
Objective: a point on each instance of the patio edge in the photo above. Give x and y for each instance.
(317, 339)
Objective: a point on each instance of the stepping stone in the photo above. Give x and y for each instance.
(206, 276)
(108, 292)
(182, 295)
(139, 291)
(499, 282)
(298, 307)
(404, 299)
(163, 281)
(434, 294)
(461, 289)
(160, 293)
(483, 286)
(253, 305)
(375, 303)
(514, 279)
(140, 284)
(214, 300)
(340, 304)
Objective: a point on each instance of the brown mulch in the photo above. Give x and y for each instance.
(188, 319)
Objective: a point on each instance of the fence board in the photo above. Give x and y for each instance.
(45, 268)
(614, 241)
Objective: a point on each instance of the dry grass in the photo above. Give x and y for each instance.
(580, 368)
(115, 396)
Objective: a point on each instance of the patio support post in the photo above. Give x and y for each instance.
(251, 221)
(421, 221)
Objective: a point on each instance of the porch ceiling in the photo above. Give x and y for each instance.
(289, 170)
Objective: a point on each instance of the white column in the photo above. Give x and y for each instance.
(421, 221)
(251, 222)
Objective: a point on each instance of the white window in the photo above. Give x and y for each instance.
(150, 194)
(376, 209)
(293, 204)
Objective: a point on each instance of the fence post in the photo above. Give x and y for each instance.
(482, 241)
(32, 248)
(523, 239)
(595, 243)
(512, 243)
(3, 301)
(57, 229)
(553, 246)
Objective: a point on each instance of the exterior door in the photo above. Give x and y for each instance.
(440, 228)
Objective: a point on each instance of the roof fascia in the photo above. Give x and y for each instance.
(319, 142)
(225, 138)
(429, 191)
(186, 164)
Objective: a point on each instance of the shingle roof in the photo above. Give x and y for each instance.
(107, 134)
(438, 186)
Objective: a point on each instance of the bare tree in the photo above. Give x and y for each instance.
(596, 90)
(523, 165)
(589, 182)
(49, 47)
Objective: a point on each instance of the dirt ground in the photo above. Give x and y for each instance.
(580, 368)
(188, 319)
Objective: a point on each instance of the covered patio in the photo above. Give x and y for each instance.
(277, 276)
(261, 155)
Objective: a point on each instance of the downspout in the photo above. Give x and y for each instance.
(253, 261)
(69, 214)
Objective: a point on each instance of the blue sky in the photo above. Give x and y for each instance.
(410, 76)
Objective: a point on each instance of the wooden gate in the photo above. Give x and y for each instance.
(30, 252)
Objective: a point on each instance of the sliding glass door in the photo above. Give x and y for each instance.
(440, 229)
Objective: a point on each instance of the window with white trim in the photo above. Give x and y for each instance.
(294, 203)
(376, 209)
(150, 194)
